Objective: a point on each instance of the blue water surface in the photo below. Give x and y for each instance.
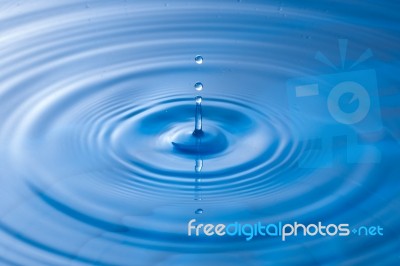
(94, 94)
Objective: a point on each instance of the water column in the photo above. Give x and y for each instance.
(198, 133)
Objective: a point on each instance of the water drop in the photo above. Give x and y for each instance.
(199, 211)
(198, 86)
(198, 99)
(198, 59)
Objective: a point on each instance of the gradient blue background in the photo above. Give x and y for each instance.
(93, 93)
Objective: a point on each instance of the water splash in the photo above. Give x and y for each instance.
(97, 133)
(198, 133)
(198, 123)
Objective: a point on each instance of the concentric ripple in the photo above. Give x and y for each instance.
(98, 163)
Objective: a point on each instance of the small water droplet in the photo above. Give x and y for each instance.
(198, 86)
(199, 99)
(199, 211)
(199, 59)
